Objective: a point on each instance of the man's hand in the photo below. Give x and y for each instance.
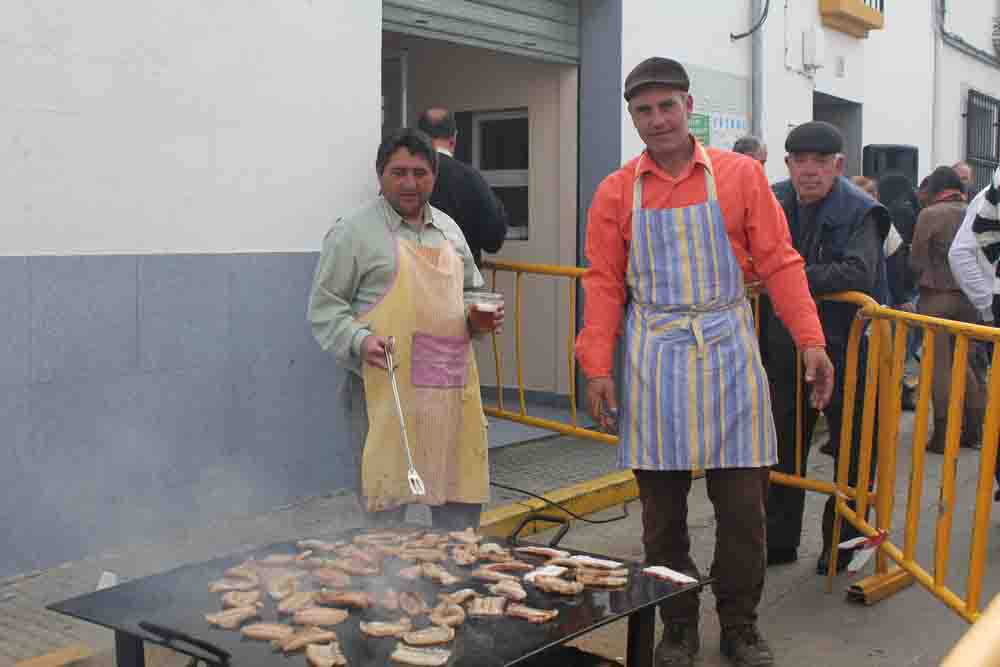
(495, 325)
(819, 374)
(373, 351)
(603, 405)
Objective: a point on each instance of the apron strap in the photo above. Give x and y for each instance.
(712, 193)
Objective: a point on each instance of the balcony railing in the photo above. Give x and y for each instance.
(854, 17)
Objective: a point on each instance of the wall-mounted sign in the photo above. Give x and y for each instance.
(700, 125)
(727, 128)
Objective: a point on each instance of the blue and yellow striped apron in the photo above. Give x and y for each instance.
(695, 394)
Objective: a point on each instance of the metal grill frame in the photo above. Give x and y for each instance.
(982, 136)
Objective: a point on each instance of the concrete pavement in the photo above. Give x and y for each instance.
(805, 625)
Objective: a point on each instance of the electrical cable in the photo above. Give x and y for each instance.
(760, 23)
(553, 503)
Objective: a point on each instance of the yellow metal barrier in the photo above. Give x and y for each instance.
(885, 393)
(887, 331)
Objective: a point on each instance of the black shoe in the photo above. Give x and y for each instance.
(744, 646)
(823, 564)
(909, 398)
(781, 555)
(828, 448)
(679, 645)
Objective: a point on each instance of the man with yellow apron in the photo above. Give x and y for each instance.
(670, 237)
(398, 268)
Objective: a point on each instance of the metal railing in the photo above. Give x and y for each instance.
(886, 331)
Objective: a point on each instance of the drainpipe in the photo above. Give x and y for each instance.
(757, 61)
(935, 73)
(958, 42)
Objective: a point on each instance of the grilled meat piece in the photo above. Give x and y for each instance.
(541, 552)
(318, 545)
(494, 553)
(390, 600)
(545, 571)
(458, 597)
(267, 631)
(305, 637)
(325, 655)
(558, 586)
(328, 576)
(432, 636)
(388, 549)
(467, 536)
(424, 554)
(245, 570)
(510, 589)
(509, 566)
(296, 602)
(413, 604)
(420, 657)
(234, 584)
(483, 574)
(449, 614)
(356, 566)
(438, 574)
(387, 628)
(412, 573)
(427, 541)
(382, 538)
(353, 599)
(488, 606)
(530, 613)
(230, 619)
(370, 557)
(234, 599)
(281, 586)
(600, 578)
(586, 561)
(465, 554)
(320, 616)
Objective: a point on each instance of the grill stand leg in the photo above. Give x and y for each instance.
(641, 627)
(128, 650)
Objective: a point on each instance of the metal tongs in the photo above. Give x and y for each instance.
(412, 476)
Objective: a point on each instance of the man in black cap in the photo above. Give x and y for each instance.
(670, 237)
(839, 231)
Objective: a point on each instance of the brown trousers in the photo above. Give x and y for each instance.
(738, 496)
(953, 305)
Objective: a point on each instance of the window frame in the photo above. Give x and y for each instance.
(503, 178)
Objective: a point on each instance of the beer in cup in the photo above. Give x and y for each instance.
(483, 307)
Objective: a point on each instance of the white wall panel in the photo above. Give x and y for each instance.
(146, 127)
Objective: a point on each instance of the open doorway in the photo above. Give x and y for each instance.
(846, 115)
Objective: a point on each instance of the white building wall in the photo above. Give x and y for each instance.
(145, 127)
(959, 72)
(891, 74)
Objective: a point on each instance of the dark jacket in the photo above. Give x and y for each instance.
(843, 251)
(462, 193)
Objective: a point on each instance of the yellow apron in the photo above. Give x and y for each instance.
(438, 387)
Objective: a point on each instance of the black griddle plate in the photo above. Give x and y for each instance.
(179, 599)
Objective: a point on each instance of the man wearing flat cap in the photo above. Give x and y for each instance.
(671, 238)
(839, 230)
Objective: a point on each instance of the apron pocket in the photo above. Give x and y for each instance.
(439, 362)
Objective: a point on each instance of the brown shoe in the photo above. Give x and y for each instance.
(744, 646)
(679, 645)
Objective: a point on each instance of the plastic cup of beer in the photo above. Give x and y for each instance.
(483, 307)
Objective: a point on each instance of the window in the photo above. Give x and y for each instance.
(500, 151)
(982, 143)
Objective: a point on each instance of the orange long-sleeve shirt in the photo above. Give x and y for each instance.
(755, 224)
